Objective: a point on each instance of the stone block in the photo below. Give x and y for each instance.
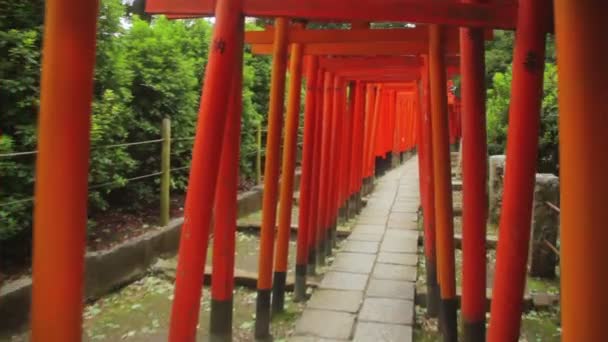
(390, 289)
(360, 247)
(399, 245)
(367, 331)
(344, 281)
(385, 310)
(395, 272)
(336, 300)
(326, 324)
(406, 259)
(369, 229)
(495, 186)
(545, 226)
(365, 237)
(354, 263)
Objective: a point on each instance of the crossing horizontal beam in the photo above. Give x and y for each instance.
(419, 33)
(363, 49)
(493, 15)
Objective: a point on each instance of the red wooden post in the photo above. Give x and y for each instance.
(313, 240)
(290, 145)
(225, 215)
(334, 161)
(304, 217)
(271, 179)
(522, 144)
(60, 211)
(323, 221)
(227, 35)
(474, 184)
(443, 186)
(583, 127)
(428, 190)
(357, 151)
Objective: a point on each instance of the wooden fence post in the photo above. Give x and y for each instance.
(165, 178)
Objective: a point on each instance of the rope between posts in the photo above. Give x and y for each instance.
(98, 186)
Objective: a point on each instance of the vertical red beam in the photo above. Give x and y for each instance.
(227, 40)
(60, 213)
(334, 160)
(224, 231)
(474, 177)
(374, 129)
(443, 183)
(428, 189)
(357, 151)
(522, 144)
(583, 127)
(316, 175)
(271, 179)
(324, 170)
(290, 145)
(304, 217)
(369, 107)
(346, 166)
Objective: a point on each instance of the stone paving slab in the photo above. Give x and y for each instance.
(344, 281)
(369, 229)
(312, 339)
(372, 332)
(326, 324)
(411, 225)
(406, 259)
(387, 310)
(391, 289)
(401, 233)
(360, 247)
(372, 220)
(365, 237)
(336, 300)
(394, 272)
(354, 263)
(399, 245)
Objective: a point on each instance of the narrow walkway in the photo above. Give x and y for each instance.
(368, 292)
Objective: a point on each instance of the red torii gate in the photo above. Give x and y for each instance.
(68, 61)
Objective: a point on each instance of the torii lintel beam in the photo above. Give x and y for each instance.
(363, 49)
(419, 33)
(386, 61)
(497, 15)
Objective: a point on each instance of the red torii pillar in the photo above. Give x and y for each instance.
(522, 144)
(583, 127)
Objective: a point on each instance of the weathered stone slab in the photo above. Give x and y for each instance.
(336, 300)
(406, 259)
(360, 247)
(365, 237)
(394, 272)
(369, 229)
(354, 263)
(367, 331)
(390, 289)
(344, 281)
(399, 245)
(385, 310)
(326, 324)
(401, 233)
(312, 339)
(372, 220)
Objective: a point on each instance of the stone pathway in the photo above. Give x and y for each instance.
(368, 292)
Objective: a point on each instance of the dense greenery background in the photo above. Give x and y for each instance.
(145, 71)
(148, 69)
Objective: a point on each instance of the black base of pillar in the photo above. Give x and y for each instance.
(278, 292)
(328, 243)
(321, 253)
(449, 323)
(262, 315)
(474, 331)
(299, 287)
(312, 262)
(220, 326)
(432, 292)
(334, 236)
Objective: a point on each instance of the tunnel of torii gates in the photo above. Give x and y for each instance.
(397, 100)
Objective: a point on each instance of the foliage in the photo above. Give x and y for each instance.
(146, 69)
(497, 118)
